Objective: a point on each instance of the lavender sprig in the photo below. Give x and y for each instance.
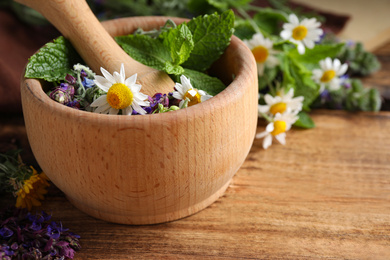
(27, 236)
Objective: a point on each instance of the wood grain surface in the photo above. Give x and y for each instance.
(325, 195)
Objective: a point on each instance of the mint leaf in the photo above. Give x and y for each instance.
(179, 42)
(269, 20)
(211, 35)
(150, 52)
(304, 120)
(243, 29)
(53, 61)
(297, 76)
(319, 52)
(145, 49)
(200, 80)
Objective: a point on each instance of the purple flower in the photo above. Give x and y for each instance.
(6, 232)
(74, 104)
(88, 83)
(68, 88)
(70, 79)
(60, 95)
(29, 236)
(5, 252)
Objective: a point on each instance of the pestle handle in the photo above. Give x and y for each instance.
(75, 20)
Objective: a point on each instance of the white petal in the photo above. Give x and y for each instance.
(118, 78)
(334, 84)
(102, 83)
(336, 64)
(342, 69)
(281, 138)
(127, 111)
(143, 103)
(286, 34)
(270, 127)
(293, 19)
(261, 135)
(179, 88)
(113, 111)
(202, 92)
(270, 100)
(177, 95)
(100, 101)
(205, 97)
(288, 26)
(131, 80)
(272, 61)
(107, 75)
(328, 63)
(103, 108)
(137, 108)
(122, 73)
(135, 88)
(301, 48)
(263, 108)
(192, 92)
(267, 141)
(260, 69)
(309, 43)
(140, 96)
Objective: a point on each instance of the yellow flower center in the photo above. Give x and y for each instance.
(32, 191)
(328, 76)
(119, 96)
(261, 53)
(279, 127)
(299, 33)
(193, 96)
(278, 108)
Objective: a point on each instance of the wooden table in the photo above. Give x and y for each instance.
(325, 195)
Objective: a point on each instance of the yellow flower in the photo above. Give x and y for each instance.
(32, 191)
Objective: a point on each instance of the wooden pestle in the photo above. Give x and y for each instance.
(75, 20)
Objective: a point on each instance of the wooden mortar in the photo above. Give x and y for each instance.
(152, 168)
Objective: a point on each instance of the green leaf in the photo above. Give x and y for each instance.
(212, 6)
(179, 42)
(211, 35)
(319, 52)
(268, 76)
(297, 76)
(149, 51)
(269, 20)
(200, 80)
(243, 29)
(53, 61)
(201, 7)
(360, 61)
(304, 120)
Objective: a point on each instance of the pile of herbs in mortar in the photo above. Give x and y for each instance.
(185, 52)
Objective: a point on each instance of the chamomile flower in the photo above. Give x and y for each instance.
(122, 94)
(186, 91)
(304, 33)
(262, 51)
(32, 191)
(281, 103)
(278, 128)
(329, 74)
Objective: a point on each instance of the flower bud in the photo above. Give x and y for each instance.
(60, 95)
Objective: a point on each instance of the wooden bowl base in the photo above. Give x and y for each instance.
(153, 219)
